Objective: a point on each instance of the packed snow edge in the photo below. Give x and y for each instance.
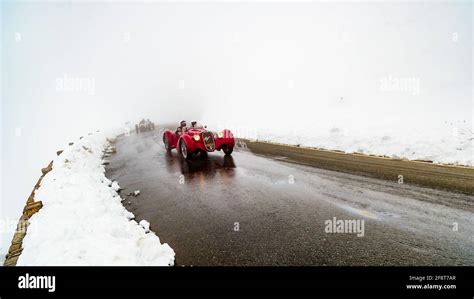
(83, 221)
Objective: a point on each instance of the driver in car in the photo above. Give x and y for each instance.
(182, 127)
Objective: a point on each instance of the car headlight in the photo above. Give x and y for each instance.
(196, 137)
(220, 135)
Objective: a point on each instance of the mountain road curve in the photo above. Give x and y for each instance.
(256, 210)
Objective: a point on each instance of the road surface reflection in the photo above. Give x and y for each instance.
(201, 168)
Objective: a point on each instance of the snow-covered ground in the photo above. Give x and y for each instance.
(3, 252)
(447, 149)
(449, 143)
(83, 221)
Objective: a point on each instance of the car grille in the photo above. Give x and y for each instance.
(208, 140)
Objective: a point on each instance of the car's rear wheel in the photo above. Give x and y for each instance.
(167, 145)
(228, 150)
(183, 149)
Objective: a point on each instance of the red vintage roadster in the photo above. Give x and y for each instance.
(196, 139)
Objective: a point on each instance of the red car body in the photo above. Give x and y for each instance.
(188, 141)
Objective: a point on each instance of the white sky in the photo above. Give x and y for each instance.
(262, 64)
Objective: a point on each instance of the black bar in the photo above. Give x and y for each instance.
(364, 282)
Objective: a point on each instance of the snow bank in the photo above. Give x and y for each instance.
(3, 253)
(82, 221)
(446, 144)
(145, 224)
(455, 149)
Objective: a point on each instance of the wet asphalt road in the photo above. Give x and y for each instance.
(253, 210)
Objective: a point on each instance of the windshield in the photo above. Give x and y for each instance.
(196, 125)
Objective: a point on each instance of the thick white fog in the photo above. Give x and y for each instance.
(72, 68)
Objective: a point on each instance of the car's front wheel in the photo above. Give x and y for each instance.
(183, 149)
(227, 150)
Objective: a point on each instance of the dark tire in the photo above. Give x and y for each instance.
(183, 150)
(202, 154)
(228, 150)
(167, 145)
